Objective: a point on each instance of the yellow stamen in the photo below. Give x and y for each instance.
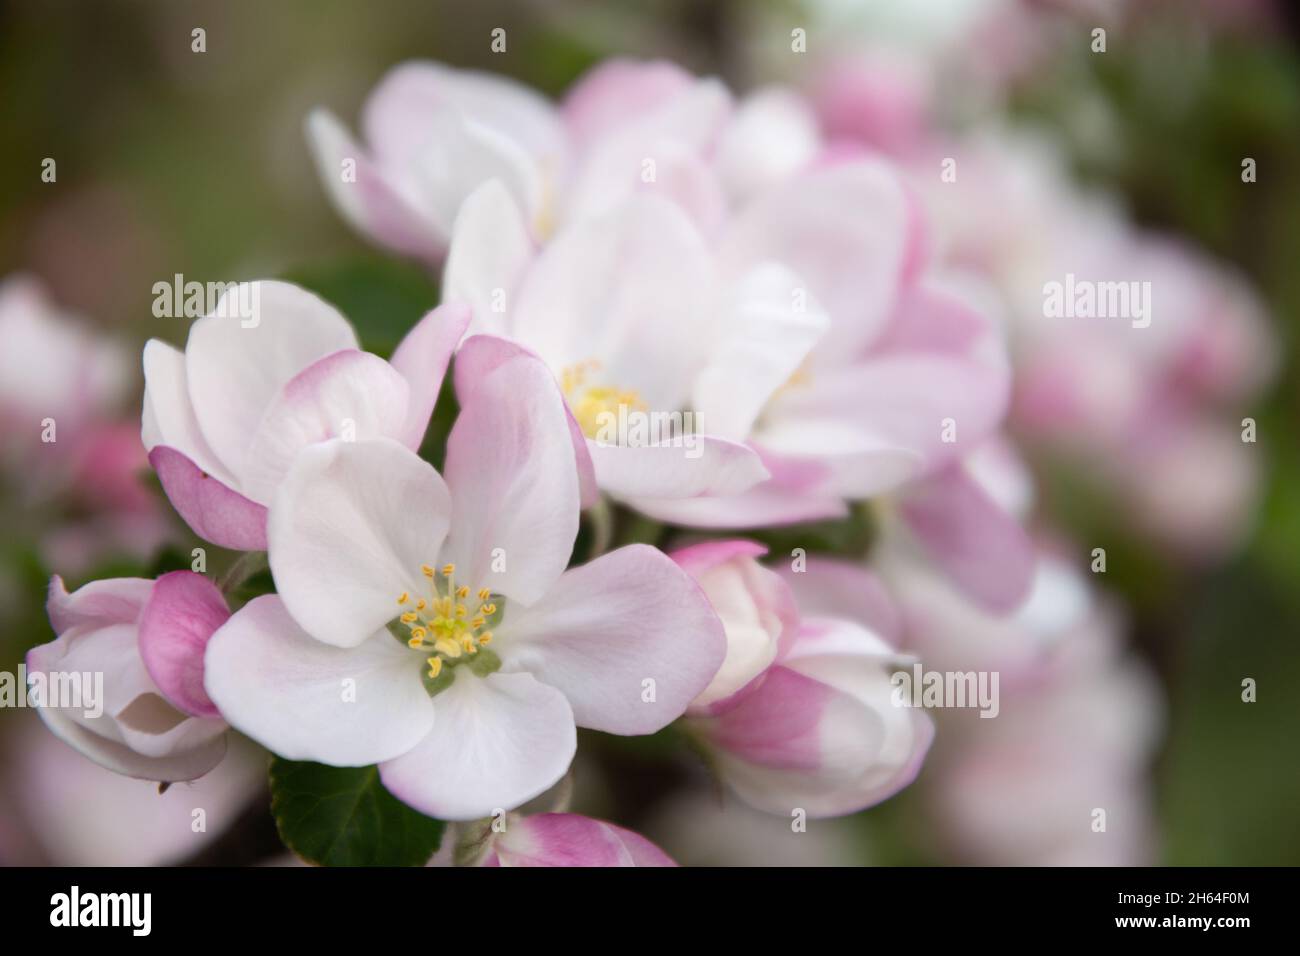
(448, 570)
(435, 666)
(426, 570)
(404, 598)
(484, 594)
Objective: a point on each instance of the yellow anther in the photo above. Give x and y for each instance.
(485, 637)
(420, 605)
(410, 617)
(415, 643)
(484, 594)
(419, 633)
(477, 623)
(488, 609)
(435, 666)
(462, 592)
(403, 598)
(468, 645)
(426, 570)
(448, 570)
(461, 610)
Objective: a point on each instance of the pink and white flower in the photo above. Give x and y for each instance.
(224, 419)
(818, 728)
(146, 639)
(501, 651)
(621, 308)
(434, 134)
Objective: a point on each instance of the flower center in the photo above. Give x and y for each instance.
(443, 623)
(590, 403)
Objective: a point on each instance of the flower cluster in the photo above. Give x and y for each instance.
(717, 317)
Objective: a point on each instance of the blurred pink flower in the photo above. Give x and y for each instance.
(435, 134)
(72, 465)
(73, 812)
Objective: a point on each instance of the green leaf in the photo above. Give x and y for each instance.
(343, 816)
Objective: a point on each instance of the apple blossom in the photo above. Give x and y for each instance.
(620, 307)
(147, 640)
(818, 729)
(425, 622)
(434, 134)
(223, 420)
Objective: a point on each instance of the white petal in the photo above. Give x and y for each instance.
(305, 700)
(608, 627)
(235, 367)
(169, 417)
(773, 325)
(490, 248)
(348, 532)
(499, 741)
(633, 290)
(514, 482)
(349, 394)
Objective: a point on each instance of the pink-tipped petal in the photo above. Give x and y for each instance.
(213, 511)
(982, 548)
(183, 613)
(422, 358)
(479, 356)
(372, 200)
(514, 487)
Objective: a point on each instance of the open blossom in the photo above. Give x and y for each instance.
(147, 640)
(434, 134)
(620, 307)
(426, 623)
(817, 729)
(818, 364)
(223, 419)
(569, 839)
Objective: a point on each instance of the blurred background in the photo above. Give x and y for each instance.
(173, 161)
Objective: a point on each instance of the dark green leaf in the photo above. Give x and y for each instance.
(343, 816)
